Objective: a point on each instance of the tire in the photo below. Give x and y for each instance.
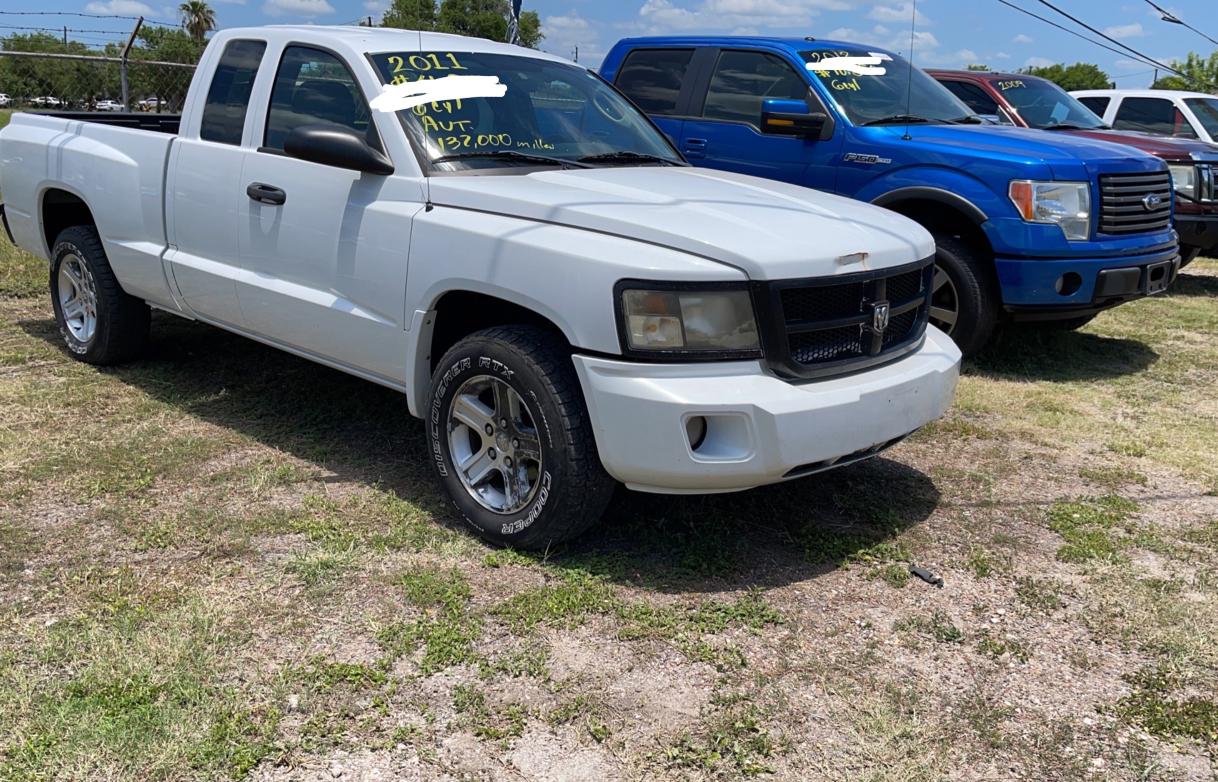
(1188, 255)
(102, 324)
(560, 486)
(963, 276)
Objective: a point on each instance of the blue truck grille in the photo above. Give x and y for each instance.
(1135, 203)
(821, 327)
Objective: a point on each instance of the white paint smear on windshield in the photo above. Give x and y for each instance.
(863, 66)
(399, 97)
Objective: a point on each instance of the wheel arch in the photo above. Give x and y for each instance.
(940, 211)
(58, 209)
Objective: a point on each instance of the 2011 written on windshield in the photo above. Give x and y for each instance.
(448, 123)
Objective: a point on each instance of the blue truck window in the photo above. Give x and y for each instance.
(228, 97)
(653, 78)
(742, 80)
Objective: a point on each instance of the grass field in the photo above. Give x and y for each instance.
(225, 562)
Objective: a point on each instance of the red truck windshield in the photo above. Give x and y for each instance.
(1043, 104)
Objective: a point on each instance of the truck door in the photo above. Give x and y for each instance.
(204, 168)
(324, 249)
(724, 131)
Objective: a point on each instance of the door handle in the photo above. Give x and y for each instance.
(695, 147)
(266, 194)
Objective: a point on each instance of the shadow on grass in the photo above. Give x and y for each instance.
(1023, 353)
(362, 432)
(1193, 285)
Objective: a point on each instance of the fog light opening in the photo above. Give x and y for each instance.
(695, 431)
(1069, 283)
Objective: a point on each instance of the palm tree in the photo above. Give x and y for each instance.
(197, 18)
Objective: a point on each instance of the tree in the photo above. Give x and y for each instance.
(197, 18)
(1079, 76)
(977, 67)
(1200, 73)
(476, 18)
(411, 15)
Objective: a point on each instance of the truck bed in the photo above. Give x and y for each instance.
(161, 123)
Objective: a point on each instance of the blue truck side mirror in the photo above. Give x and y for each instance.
(791, 118)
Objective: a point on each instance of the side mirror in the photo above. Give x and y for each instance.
(335, 146)
(791, 118)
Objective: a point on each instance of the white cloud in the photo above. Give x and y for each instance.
(305, 8)
(1021, 38)
(1125, 30)
(376, 5)
(1037, 62)
(1002, 56)
(896, 13)
(119, 8)
(668, 16)
(564, 32)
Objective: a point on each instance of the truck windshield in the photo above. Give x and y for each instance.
(1206, 110)
(552, 114)
(1043, 104)
(895, 96)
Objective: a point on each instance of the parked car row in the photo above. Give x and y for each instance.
(761, 266)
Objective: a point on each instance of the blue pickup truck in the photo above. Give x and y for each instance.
(1029, 226)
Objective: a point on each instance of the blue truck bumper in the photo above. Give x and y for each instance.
(1066, 287)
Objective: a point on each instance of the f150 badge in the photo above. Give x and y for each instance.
(871, 160)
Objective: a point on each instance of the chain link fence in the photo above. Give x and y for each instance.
(38, 81)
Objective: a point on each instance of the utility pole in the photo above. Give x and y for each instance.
(65, 36)
(575, 54)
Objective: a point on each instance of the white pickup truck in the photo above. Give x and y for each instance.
(563, 300)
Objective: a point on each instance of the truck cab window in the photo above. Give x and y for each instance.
(742, 80)
(228, 97)
(314, 87)
(973, 96)
(653, 78)
(1097, 103)
(1153, 115)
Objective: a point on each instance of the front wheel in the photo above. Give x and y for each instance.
(511, 440)
(963, 302)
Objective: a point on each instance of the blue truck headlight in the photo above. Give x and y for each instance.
(1064, 204)
(694, 321)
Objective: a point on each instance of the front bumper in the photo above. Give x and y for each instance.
(1075, 286)
(759, 429)
(1197, 231)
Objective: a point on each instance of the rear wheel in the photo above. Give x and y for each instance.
(964, 302)
(511, 440)
(100, 323)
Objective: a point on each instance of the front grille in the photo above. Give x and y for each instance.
(1128, 203)
(828, 326)
(1207, 191)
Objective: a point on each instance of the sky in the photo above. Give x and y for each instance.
(948, 33)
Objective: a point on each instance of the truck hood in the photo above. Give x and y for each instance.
(1065, 157)
(769, 230)
(1172, 149)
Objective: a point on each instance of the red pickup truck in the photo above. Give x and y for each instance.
(1032, 102)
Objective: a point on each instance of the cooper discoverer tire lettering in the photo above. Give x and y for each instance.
(510, 438)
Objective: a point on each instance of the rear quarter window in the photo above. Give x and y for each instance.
(1097, 103)
(228, 97)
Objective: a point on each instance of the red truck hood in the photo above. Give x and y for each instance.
(1170, 149)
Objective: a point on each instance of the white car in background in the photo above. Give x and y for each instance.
(1157, 112)
(108, 105)
(5, 100)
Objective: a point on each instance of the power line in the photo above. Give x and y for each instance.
(1168, 16)
(1107, 37)
(86, 15)
(1075, 33)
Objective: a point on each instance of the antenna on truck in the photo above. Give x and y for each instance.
(913, 26)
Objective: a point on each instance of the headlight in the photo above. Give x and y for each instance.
(1066, 204)
(706, 322)
(1184, 181)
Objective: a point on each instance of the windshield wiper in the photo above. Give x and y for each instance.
(968, 119)
(625, 156)
(1065, 126)
(511, 154)
(897, 118)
